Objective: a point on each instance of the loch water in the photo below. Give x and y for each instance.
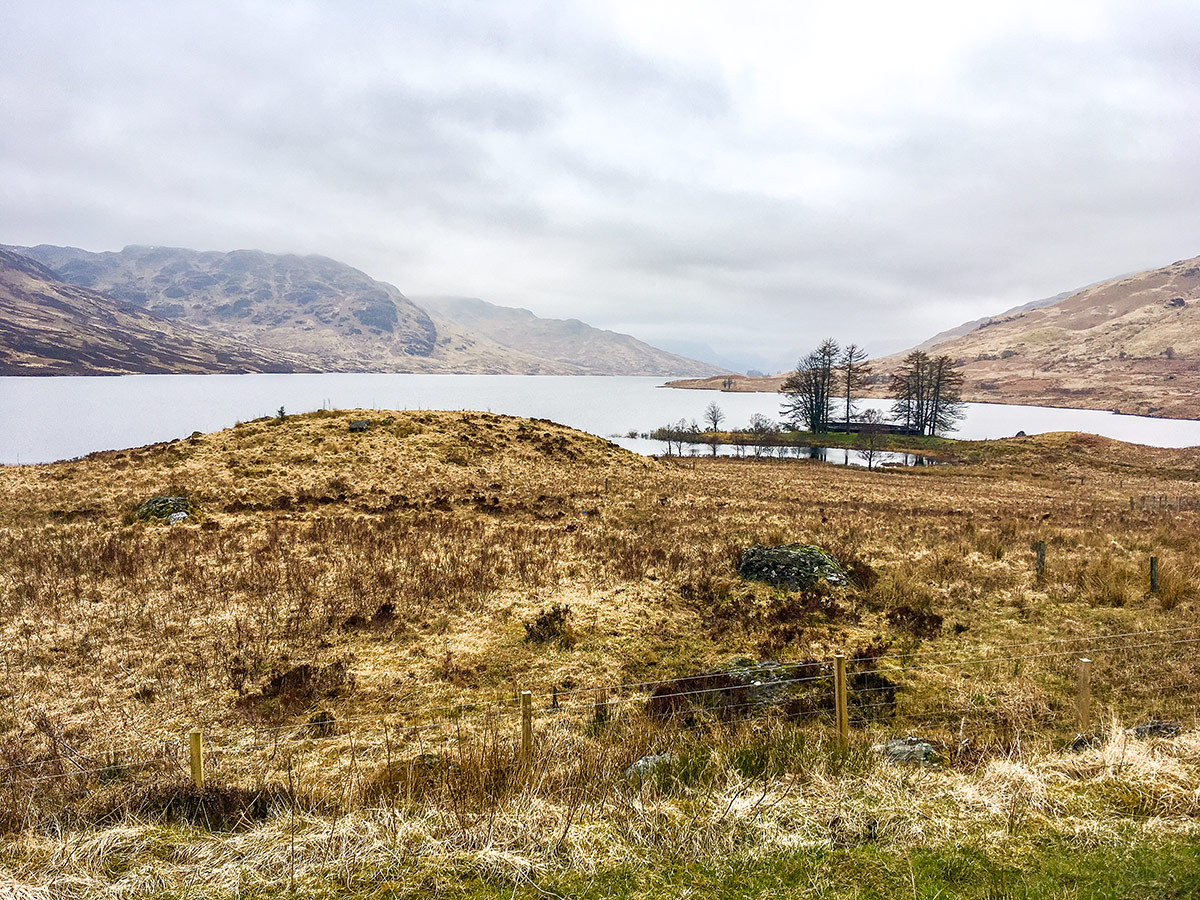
(53, 418)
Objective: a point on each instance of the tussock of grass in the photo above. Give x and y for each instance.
(759, 793)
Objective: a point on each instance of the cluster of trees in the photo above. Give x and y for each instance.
(927, 393)
(820, 396)
(926, 390)
(760, 434)
(828, 374)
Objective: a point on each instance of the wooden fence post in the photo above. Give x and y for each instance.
(1083, 702)
(602, 706)
(526, 726)
(840, 704)
(197, 754)
(1040, 547)
(1154, 574)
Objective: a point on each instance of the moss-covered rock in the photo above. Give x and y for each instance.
(792, 566)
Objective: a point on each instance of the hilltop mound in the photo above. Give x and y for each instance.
(401, 460)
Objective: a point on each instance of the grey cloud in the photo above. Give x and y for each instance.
(526, 153)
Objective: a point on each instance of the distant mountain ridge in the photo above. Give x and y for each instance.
(324, 315)
(327, 311)
(574, 346)
(48, 327)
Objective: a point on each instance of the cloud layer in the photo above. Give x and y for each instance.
(753, 181)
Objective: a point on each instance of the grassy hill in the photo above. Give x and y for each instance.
(1131, 344)
(348, 616)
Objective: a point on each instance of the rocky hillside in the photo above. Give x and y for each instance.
(336, 318)
(553, 346)
(334, 315)
(51, 328)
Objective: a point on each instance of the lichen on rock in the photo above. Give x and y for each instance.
(793, 566)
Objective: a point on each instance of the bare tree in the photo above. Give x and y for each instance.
(945, 404)
(673, 435)
(809, 389)
(853, 373)
(763, 431)
(713, 417)
(740, 439)
(869, 440)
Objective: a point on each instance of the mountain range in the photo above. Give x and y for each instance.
(249, 311)
(48, 327)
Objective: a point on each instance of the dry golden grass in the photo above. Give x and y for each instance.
(402, 566)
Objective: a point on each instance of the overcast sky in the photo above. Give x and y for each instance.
(750, 175)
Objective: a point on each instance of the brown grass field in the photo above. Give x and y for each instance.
(349, 617)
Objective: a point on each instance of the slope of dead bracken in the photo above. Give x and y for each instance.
(1131, 344)
(348, 616)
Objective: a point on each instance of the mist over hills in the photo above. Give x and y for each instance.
(566, 346)
(317, 314)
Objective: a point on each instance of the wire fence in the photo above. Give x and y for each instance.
(883, 692)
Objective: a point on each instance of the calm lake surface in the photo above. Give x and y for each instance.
(47, 419)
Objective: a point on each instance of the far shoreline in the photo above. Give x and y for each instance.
(702, 384)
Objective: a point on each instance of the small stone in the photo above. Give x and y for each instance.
(793, 566)
(176, 517)
(1084, 742)
(908, 749)
(360, 424)
(321, 724)
(648, 764)
(1155, 728)
(163, 507)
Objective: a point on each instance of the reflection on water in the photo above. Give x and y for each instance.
(838, 456)
(843, 456)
